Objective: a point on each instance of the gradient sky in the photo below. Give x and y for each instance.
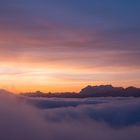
(63, 45)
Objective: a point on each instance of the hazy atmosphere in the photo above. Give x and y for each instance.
(69, 70)
(63, 45)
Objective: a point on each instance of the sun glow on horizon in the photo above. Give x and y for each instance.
(26, 77)
(41, 49)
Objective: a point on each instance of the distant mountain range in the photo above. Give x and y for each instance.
(91, 91)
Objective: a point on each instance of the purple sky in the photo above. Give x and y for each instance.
(62, 45)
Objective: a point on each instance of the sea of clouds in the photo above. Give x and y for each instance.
(23, 118)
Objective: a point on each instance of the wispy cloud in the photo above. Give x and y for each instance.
(95, 35)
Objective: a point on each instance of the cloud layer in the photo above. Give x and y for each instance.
(98, 118)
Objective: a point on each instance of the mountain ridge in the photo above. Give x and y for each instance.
(91, 91)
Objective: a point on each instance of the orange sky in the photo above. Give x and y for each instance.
(41, 49)
(23, 77)
(28, 64)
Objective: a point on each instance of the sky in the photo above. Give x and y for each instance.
(64, 45)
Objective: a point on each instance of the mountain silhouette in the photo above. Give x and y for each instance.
(92, 91)
(109, 90)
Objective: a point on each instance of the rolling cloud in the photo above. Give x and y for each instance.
(102, 118)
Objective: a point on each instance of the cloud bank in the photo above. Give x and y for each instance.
(102, 118)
